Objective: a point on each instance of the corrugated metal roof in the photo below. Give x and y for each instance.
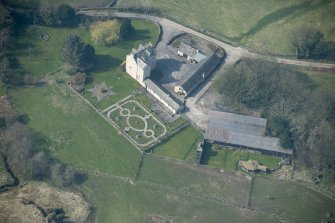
(241, 130)
(237, 123)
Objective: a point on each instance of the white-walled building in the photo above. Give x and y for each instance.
(140, 62)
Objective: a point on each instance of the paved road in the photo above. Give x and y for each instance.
(233, 53)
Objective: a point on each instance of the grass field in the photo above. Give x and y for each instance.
(73, 131)
(222, 157)
(290, 200)
(264, 25)
(229, 186)
(182, 146)
(119, 201)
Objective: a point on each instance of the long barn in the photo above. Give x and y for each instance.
(241, 130)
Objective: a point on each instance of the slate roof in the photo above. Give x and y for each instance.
(162, 94)
(200, 71)
(143, 53)
(241, 130)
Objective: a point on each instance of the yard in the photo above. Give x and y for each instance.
(182, 146)
(221, 157)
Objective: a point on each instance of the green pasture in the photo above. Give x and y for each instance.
(73, 132)
(265, 25)
(119, 201)
(230, 186)
(182, 146)
(221, 157)
(291, 201)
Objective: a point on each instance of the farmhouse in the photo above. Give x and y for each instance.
(140, 62)
(197, 75)
(193, 55)
(241, 130)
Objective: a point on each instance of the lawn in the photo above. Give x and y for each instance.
(44, 57)
(230, 186)
(182, 146)
(290, 201)
(73, 132)
(221, 157)
(119, 201)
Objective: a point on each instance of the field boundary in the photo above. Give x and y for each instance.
(102, 115)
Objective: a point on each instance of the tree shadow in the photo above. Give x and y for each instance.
(138, 34)
(105, 63)
(208, 152)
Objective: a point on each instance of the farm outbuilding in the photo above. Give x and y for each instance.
(193, 55)
(241, 130)
(197, 75)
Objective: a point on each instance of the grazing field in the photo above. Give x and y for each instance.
(264, 25)
(183, 146)
(73, 132)
(222, 157)
(120, 201)
(229, 186)
(290, 200)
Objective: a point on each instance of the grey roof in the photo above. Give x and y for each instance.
(200, 71)
(237, 123)
(241, 130)
(199, 57)
(143, 52)
(187, 49)
(162, 94)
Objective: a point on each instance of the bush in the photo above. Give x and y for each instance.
(110, 32)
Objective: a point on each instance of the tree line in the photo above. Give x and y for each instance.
(25, 161)
(300, 114)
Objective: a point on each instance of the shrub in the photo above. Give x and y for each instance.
(110, 32)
